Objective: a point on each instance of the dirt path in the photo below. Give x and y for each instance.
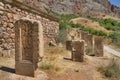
(112, 51)
(68, 69)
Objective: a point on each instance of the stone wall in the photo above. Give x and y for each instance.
(9, 14)
(28, 46)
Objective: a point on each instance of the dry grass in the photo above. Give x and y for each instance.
(51, 59)
(111, 71)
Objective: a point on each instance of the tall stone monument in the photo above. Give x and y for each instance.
(98, 46)
(78, 51)
(28, 46)
(69, 45)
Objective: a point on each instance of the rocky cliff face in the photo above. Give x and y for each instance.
(87, 7)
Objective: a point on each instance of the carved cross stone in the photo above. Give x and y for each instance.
(28, 46)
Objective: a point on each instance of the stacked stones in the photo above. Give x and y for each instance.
(10, 14)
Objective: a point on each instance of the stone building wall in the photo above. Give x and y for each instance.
(9, 14)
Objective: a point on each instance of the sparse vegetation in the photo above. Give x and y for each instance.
(61, 37)
(93, 19)
(46, 65)
(110, 24)
(115, 37)
(111, 71)
(95, 32)
(50, 60)
(49, 66)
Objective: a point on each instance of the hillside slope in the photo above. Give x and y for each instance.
(87, 7)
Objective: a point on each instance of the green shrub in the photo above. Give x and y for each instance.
(115, 37)
(110, 24)
(95, 32)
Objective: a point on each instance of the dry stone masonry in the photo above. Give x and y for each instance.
(28, 46)
(9, 14)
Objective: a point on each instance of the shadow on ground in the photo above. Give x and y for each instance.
(7, 69)
(67, 58)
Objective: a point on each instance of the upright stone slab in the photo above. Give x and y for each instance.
(28, 46)
(79, 34)
(98, 46)
(78, 50)
(69, 45)
(84, 36)
(89, 48)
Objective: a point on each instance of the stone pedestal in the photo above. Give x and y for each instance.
(28, 46)
(98, 46)
(26, 68)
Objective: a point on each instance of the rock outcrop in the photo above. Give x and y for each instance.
(87, 7)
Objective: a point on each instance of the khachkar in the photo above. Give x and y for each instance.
(28, 46)
(77, 49)
(98, 46)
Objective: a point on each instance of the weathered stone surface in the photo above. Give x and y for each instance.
(1, 12)
(98, 46)
(1, 4)
(25, 68)
(78, 50)
(10, 14)
(69, 45)
(84, 36)
(28, 46)
(89, 48)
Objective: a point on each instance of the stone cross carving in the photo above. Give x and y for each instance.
(28, 46)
